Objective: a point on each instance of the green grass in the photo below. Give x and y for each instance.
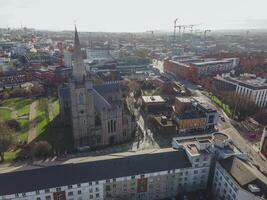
(60, 138)
(43, 118)
(5, 114)
(23, 108)
(22, 105)
(149, 92)
(23, 134)
(218, 102)
(10, 156)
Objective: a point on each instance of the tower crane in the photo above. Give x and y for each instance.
(174, 28)
(205, 33)
(152, 32)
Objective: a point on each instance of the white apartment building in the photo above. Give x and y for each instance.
(143, 177)
(249, 86)
(234, 180)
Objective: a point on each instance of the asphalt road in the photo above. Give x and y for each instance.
(226, 127)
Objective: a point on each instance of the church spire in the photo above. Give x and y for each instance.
(78, 69)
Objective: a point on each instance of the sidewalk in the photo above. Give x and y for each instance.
(32, 129)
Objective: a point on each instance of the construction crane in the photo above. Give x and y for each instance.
(205, 33)
(152, 32)
(174, 28)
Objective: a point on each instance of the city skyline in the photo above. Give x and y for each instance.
(132, 16)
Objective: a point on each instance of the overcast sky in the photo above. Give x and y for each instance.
(132, 15)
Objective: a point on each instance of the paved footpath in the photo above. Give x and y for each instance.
(32, 129)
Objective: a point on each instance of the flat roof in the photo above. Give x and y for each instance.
(184, 99)
(249, 82)
(68, 174)
(169, 122)
(212, 62)
(153, 99)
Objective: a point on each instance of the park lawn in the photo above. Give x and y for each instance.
(5, 114)
(10, 155)
(23, 108)
(23, 134)
(43, 118)
(22, 105)
(60, 138)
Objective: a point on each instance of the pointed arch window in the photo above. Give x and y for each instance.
(81, 98)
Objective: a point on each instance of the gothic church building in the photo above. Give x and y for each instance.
(96, 112)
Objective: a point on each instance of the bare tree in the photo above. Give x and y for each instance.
(42, 149)
(7, 139)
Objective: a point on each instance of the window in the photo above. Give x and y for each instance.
(37, 192)
(97, 195)
(58, 189)
(24, 194)
(70, 193)
(81, 98)
(90, 183)
(195, 172)
(91, 190)
(48, 197)
(114, 127)
(91, 196)
(108, 127)
(197, 159)
(79, 185)
(38, 198)
(96, 182)
(79, 192)
(108, 188)
(107, 181)
(96, 189)
(132, 177)
(114, 179)
(16, 195)
(47, 190)
(69, 186)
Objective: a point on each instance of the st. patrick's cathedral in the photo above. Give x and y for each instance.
(96, 112)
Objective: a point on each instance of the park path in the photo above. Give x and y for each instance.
(14, 113)
(32, 126)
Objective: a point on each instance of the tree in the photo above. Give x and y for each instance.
(42, 149)
(37, 89)
(7, 139)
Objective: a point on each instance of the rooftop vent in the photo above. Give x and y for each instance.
(254, 188)
(164, 120)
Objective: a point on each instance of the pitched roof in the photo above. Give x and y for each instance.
(238, 170)
(243, 174)
(62, 175)
(107, 87)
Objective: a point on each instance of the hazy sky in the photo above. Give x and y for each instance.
(132, 15)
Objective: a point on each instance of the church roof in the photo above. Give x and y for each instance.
(107, 87)
(99, 101)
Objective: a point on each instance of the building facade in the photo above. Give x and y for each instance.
(247, 86)
(233, 180)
